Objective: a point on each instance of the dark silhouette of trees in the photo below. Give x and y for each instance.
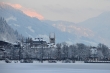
(62, 51)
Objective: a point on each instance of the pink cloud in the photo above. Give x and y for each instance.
(27, 11)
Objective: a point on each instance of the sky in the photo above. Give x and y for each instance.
(66, 10)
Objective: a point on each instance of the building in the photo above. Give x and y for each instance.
(93, 53)
(38, 44)
(3, 48)
(4, 44)
(52, 38)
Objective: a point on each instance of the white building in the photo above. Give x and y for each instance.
(93, 52)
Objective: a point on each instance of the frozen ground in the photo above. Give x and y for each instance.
(54, 68)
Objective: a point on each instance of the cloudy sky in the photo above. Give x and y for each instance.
(68, 10)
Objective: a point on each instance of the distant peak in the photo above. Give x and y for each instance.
(2, 4)
(27, 11)
(105, 13)
(17, 6)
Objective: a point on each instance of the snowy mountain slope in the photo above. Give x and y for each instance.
(100, 25)
(103, 20)
(7, 33)
(71, 28)
(28, 26)
(82, 34)
(33, 27)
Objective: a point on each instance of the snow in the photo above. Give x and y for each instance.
(30, 28)
(16, 25)
(79, 61)
(29, 34)
(11, 18)
(44, 36)
(54, 68)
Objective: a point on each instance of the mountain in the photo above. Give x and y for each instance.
(80, 34)
(33, 27)
(28, 26)
(100, 25)
(7, 33)
(95, 22)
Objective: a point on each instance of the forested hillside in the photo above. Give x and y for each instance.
(7, 33)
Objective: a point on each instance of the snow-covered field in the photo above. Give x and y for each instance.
(54, 68)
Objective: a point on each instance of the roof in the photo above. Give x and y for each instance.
(2, 43)
(39, 42)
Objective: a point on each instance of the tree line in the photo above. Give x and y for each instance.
(60, 51)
